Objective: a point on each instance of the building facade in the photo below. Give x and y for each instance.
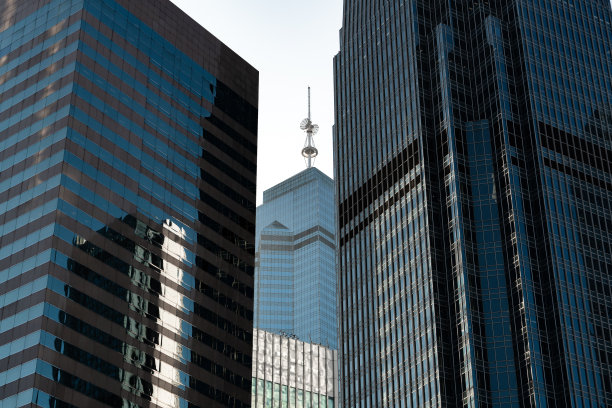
(295, 265)
(288, 372)
(473, 143)
(127, 186)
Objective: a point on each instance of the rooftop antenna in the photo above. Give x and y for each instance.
(309, 151)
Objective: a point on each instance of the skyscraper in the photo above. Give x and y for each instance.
(295, 274)
(127, 187)
(473, 143)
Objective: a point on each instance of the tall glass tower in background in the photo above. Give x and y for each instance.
(473, 151)
(127, 186)
(295, 266)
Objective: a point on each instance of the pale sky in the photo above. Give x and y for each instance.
(292, 44)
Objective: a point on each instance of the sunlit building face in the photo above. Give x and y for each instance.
(127, 187)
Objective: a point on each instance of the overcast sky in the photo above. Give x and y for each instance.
(292, 44)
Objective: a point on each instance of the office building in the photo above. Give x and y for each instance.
(127, 186)
(473, 142)
(288, 372)
(295, 265)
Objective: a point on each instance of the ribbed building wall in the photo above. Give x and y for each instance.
(291, 373)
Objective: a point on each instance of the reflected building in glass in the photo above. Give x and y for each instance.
(127, 186)
(473, 151)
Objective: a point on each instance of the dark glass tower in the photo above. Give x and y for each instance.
(473, 149)
(127, 187)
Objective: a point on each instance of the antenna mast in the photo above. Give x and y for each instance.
(309, 151)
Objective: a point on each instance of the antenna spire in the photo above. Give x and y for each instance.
(309, 151)
(308, 102)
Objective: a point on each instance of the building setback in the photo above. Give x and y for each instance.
(288, 372)
(473, 151)
(127, 187)
(295, 265)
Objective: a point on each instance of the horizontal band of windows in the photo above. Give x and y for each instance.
(236, 107)
(229, 131)
(21, 317)
(129, 381)
(40, 166)
(381, 209)
(144, 182)
(225, 255)
(154, 143)
(17, 345)
(32, 150)
(28, 111)
(138, 356)
(43, 51)
(85, 124)
(95, 41)
(227, 233)
(20, 371)
(574, 147)
(176, 251)
(144, 205)
(22, 54)
(22, 292)
(230, 151)
(28, 217)
(312, 230)
(75, 383)
(46, 187)
(295, 247)
(24, 266)
(109, 208)
(227, 278)
(55, 12)
(227, 170)
(171, 348)
(587, 178)
(171, 271)
(148, 259)
(31, 239)
(399, 166)
(36, 72)
(163, 54)
(33, 395)
(180, 128)
(228, 213)
(280, 275)
(134, 328)
(190, 147)
(44, 400)
(180, 137)
(230, 193)
(35, 127)
(182, 327)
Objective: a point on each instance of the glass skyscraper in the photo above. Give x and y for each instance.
(295, 266)
(127, 186)
(473, 151)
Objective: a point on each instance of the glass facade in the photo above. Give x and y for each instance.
(473, 143)
(295, 266)
(127, 186)
(292, 374)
